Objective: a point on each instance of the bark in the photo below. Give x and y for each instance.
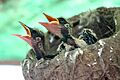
(100, 61)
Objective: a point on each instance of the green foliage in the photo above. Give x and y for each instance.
(30, 12)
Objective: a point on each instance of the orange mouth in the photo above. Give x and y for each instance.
(51, 19)
(26, 38)
(52, 26)
(26, 28)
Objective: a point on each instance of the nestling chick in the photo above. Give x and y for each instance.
(61, 28)
(36, 39)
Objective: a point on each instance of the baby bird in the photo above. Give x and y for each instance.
(37, 40)
(61, 28)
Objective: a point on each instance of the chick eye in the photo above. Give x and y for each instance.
(40, 45)
(38, 39)
(62, 20)
(67, 25)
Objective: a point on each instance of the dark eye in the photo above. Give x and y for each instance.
(40, 45)
(62, 20)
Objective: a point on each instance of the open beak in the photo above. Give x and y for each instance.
(26, 38)
(51, 19)
(52, 26)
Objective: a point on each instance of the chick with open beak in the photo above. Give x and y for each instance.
(27, 37)
(61, 28)
(35, 39)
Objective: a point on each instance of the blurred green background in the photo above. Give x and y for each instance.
(30, 13)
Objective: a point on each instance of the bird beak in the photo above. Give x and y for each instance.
(51, 19)
(52, 26)
(26, 38)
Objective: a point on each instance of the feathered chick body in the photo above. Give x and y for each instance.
(60, 27)
(37, 40)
